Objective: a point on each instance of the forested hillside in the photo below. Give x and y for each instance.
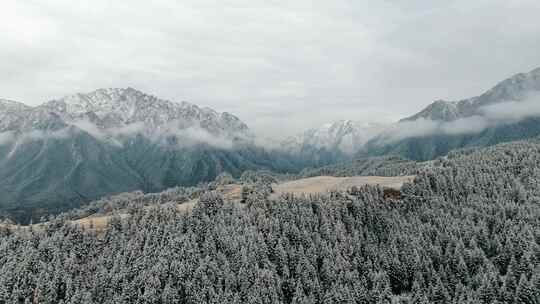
(380, 166)
(466, 231)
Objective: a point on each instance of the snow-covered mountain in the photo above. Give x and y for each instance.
(114, 110)
(514, 89)
(11, 113)
(508, 111)
(7, 106)
(67, 151)
(439, 110)
(346, 136)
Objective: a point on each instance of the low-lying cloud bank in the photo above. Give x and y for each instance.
(178, 134)
(170, 135)
(6, 137)
(10, 137)
(487, 117)
(194, 135)
(425, 127)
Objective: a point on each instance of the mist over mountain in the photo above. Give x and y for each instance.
(71, 150)
(508, 111)
(109, 113)
(346, 136)
(519, 88)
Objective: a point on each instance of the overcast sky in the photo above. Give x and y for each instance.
(281, 66)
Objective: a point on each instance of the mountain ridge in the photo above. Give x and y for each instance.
(478, 121)
(513, 88)
(119, 107)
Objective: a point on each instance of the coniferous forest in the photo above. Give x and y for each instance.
(467, 230)
(270, 152)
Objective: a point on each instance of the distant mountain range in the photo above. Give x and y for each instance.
(78, 148)
(115, 111)
(508, 111)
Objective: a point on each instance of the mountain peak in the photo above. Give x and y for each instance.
(347, 136)
(516, 88)
(108, 108)
(438, 110)
(117, 107)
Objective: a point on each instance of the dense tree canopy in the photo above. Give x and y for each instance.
(466, 231)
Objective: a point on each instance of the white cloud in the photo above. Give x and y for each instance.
(44, 135)
(90, 128)
(468, 125)
(489, 116)
(183, 136)
(513, 110)
(193, 136)
(127, 130)
(11, 137)
(6, 137)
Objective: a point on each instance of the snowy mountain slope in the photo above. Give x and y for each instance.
(122, 107)
(111, 110)
(346, 136)
(438, 110)
(11, 113)
(508, 111)
(516, 88)
(11, 106)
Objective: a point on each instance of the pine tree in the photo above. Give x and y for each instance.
(525, 293)
(439, 294)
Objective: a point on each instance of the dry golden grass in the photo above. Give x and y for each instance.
(187, 207)
(232, 192)
(323, 184)
(97, 223)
